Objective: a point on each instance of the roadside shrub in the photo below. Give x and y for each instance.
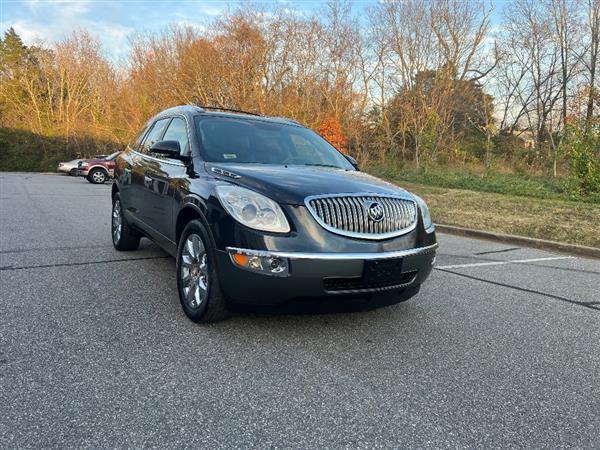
(22, 150)
(526, 185)
(583, 149)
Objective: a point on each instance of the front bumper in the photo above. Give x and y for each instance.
(321, 275)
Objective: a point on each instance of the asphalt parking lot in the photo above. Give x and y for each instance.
(500, 348)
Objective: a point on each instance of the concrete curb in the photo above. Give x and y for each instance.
(562, 247)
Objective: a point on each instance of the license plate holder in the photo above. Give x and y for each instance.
(382, 270)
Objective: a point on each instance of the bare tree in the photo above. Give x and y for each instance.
(591, 63)
(538, 87)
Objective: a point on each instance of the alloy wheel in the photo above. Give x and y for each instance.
(194, 271)
(98, 176)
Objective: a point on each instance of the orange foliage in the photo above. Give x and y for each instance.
(331, 130)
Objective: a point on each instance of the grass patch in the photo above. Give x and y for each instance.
(510, 184)
(550, 216)
(555, 220)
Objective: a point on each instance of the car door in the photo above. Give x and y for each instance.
(123, 173)
(165, 175)
(139, 182)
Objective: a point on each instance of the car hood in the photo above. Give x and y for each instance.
(292, 184)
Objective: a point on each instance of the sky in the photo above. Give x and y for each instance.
(116, 22)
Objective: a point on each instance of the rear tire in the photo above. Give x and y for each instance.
(197, 278)
(123, 236)
(97, 176)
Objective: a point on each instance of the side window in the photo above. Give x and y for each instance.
(177, 131)
(138, 140)
(153, 135)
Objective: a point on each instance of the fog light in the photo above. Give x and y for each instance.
(277, 265)
(255, 263)
(262, 263)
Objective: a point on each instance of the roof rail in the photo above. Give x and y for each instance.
(218, 108)
(287, 119)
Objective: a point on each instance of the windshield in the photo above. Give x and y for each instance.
(113, 156)
(255, 141)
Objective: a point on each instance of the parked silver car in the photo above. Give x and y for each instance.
(69, 167)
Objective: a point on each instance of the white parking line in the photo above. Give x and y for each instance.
(501, 263)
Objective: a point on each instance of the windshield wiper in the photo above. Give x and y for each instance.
(321, 165)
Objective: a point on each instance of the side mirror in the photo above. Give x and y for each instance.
(170, 149)
(352, 161)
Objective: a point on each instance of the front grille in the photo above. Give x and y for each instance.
(349, 214)
(359, 285)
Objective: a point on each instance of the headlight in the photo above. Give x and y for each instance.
(427, 222)
(252, 209)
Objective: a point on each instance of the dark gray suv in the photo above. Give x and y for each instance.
(261, 210)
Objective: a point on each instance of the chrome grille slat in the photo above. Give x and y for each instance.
(402, 214)
(339, 215)
(326, 214)
(347, 214)
(360, 213)
(388, 214)
(350, 214)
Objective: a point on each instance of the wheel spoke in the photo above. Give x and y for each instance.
(197, 245)
(190, 247)
(187, 280)
(191, 294)
(202, 284)
(203, 265)
(197, 296)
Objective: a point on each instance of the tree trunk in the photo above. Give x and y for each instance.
(594, 18)
(488, 144)
(417, 153)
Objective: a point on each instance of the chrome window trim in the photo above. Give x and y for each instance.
(336, 256)
(163, 161)
(187, 130)
(170, 118)
(353, 234)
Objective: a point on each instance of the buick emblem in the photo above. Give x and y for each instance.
(375, 211)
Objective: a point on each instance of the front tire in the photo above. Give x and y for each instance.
(97, 176)
(72, 172)
(123, 236)
(197, 278)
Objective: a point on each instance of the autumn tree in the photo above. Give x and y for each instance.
(418, 80)
(331, 130)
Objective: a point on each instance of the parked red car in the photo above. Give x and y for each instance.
(97, 171)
